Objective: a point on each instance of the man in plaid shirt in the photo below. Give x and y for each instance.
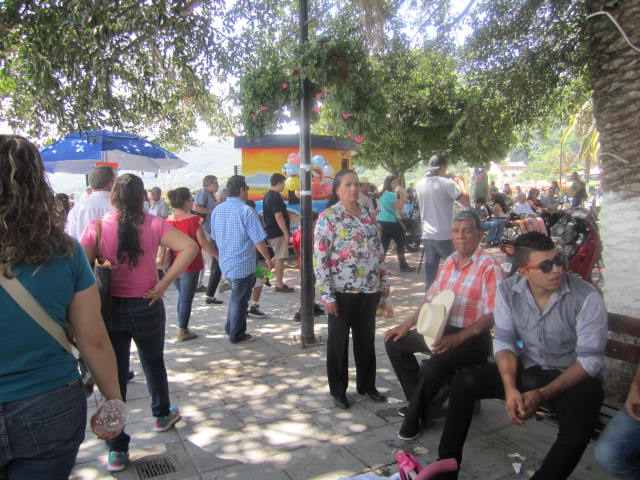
(473, 275)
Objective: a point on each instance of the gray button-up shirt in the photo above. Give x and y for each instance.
(573, 326)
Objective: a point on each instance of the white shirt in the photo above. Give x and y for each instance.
(435, 198)
(94, 206)
(522, 209)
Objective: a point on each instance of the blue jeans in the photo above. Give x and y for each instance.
(236, 325)
(186, 284)
(133, 318)
(40, 435)
(495, 229)
(618, 448)
(434, 251)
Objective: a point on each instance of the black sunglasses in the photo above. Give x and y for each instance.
(547, 265)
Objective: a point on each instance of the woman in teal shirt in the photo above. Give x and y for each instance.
(42, 403)
(389, 222)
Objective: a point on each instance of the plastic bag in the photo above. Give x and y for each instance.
(385, 308)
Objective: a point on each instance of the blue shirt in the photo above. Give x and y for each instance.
(236, 229)
(388, 212)
(31, 361)
(204, 198)
(573, 326)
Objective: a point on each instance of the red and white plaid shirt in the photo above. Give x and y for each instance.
(475, 286)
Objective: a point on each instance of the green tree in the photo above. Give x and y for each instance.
(76, 64)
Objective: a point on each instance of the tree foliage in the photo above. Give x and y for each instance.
(67, 65)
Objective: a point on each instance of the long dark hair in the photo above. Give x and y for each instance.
(386, 186)
(30, 226)
(337, 180)
(501, 200)
(128, 196)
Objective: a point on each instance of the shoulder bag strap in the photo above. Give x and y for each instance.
(30, 305)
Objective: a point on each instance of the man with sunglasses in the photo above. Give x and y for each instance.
(550, 336)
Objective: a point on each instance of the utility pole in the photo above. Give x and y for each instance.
(307, 335)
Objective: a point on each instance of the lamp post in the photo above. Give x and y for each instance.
(307, 335)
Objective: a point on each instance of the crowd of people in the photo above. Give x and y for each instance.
(549, 327)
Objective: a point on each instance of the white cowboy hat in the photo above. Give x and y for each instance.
(433, 316)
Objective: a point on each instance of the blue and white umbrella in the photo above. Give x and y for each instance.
(79, 152)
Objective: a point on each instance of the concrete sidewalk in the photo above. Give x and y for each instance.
(263, 411)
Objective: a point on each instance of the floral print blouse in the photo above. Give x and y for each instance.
(347, 254)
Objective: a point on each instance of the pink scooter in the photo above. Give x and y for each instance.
(408, 466)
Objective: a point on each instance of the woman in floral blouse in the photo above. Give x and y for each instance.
(350, 277)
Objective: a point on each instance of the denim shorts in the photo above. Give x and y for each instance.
(40, 435)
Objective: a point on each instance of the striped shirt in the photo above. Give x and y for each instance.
(474, 284)
(573, 326)
(236, 229)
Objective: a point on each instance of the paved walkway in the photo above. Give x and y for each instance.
(262, 410)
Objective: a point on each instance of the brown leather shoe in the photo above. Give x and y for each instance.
(284, 289)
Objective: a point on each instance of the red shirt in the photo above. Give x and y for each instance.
(189, 225)
(475, 286)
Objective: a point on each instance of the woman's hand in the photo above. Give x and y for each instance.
(331, 308)
(155, 293)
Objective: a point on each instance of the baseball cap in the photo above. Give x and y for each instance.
(435, 162)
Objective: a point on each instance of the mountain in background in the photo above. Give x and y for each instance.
(212, 158)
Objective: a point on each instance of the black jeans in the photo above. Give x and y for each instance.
(214, 278)
(577, 408)
(393, 231)
(421, 383)
(437, 369)
(356, 312)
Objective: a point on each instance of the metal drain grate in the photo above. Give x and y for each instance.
(156, 467)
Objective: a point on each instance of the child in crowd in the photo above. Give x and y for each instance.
(254, 303)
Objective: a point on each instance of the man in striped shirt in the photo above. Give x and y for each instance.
(473, 275)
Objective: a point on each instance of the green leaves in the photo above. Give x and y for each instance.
(139, 67)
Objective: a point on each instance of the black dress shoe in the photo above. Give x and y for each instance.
(374, 395)
(341, 402)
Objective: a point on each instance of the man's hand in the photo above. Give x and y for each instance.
(514, 406)
(532, 400)
(268, 263)
(396, 333)
(447, 343)
(331, 308)
(633, 403)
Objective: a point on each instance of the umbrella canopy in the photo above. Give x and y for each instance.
(78, 152)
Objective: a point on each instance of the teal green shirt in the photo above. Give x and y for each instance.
(31, 361)
(388, 212)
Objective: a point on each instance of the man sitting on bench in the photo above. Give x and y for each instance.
(550, 337)
(473, 275)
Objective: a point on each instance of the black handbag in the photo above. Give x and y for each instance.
(102, 272)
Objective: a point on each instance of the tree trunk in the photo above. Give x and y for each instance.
(615, 72)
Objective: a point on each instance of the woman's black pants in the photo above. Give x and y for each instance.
(393, 231)
(356, 313)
